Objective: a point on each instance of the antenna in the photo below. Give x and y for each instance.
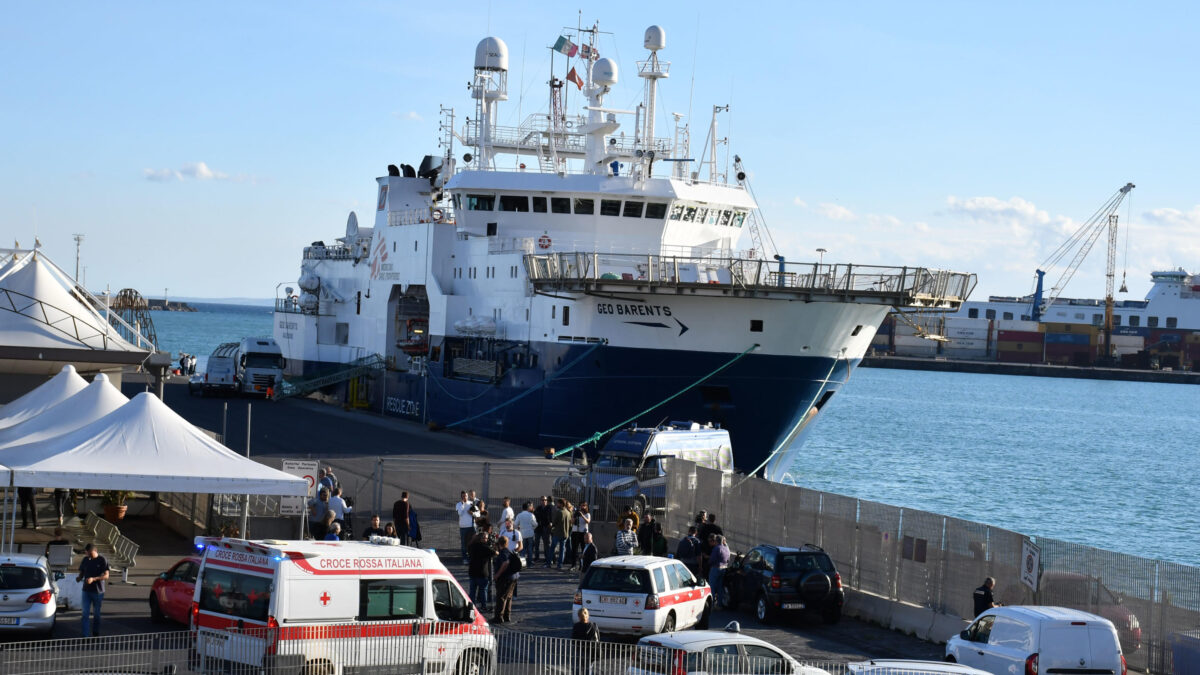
(78, 242)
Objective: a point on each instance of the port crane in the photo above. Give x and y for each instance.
(1079, 244)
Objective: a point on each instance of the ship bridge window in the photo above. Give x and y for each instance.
(726, 216)
(656, 210)
(1172, 322)
(700, 214)
(689, 214)
(1135, 321)
(457, 200)
(518, 203)
(739, 218)
(677, 212)
(1116, 319)
(560, 205)
(481, 202)
(990, 314)
(1152, 321)
(633, 209)
(584, 207)
(973, 313)
(539, 204)
(610, 207)
(1008, 316)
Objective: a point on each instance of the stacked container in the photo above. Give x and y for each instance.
(1018, 342)
(968, 339)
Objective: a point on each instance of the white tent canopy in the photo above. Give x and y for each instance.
(50, 393)
(146, 446)
(90, 404)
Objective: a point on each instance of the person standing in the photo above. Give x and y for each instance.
(61, 496)
(526, 523)
(508, 567)
(338, 505)
(324, 481)
(582, 520)
(560, 529)
(318, 508)
(688, 552)
(626, 540)
(645, 534)
(93, 572)
(707, 530)
(984, 600)
(584, 629)
(658, 542)
(544, 514)
(482, 550)
(400, 515)
(718, 560)
(509, 531)
(28, 497)
(507, 512)
(466, 522)
(374, 530)
(587, 555)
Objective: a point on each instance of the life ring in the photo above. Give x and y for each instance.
(438, 214)
(544, 241)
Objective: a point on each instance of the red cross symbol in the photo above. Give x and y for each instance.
(325, 598)
(441, 649)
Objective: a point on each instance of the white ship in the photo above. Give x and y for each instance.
(613, 280)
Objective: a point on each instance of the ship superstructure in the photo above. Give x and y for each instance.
(609, 281)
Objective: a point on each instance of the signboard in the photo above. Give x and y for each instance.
(301, 468)
(1030, 564)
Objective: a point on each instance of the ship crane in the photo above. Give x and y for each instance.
(1080, 243)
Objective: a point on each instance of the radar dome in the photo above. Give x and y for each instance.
(604, 72)
(491, 54)
(656, 38)
(352, 226)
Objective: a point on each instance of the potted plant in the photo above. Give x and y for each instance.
(114, 504)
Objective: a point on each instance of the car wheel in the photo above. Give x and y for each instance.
(471, 663)
(950, 659)
(156, 614)
(832, 614)
(669, 624)
(762, 609)
(705, 617)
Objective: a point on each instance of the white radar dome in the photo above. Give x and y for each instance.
(352, 226)
(604, 72)
(656, 38)
(491, 54)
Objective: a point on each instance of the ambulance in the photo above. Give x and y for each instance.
(332, 608)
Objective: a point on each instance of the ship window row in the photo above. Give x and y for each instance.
(695, 213)
(1135, 321)
(580, 206)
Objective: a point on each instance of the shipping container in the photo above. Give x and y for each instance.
(913, 341)
(1067, 339)
(1085, 328)
(1029, 326)
(1023, 346)
(1018, 336)
(966, 333)
(926, 350)
(1165, 337)
(1193, 338)
(967, 354)
(961, 322)
(962, 343)
(1019, 357)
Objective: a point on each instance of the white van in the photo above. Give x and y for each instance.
(333, 607)
(1031, 640)
(220, 372)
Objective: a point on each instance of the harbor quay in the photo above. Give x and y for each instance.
(303, 428)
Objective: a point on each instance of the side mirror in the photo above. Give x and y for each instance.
(966, 635)
(471, 615)
(163, 576)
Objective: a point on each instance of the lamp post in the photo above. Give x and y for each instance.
(821, 256)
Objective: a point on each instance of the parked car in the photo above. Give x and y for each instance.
(171, 594)
(727, 652)
(776, 579)
(642, 595)
(1080, 591)
(28, 595)
(910, 667)
(1026, 640)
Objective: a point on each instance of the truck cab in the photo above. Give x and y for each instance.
(629, 470)
(260, 365)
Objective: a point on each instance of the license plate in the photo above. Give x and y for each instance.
(9, 620)
(793, 605)
(612, 599)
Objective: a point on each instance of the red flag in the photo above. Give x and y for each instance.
(574, 77)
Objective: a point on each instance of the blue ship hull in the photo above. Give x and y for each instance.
(574, 391)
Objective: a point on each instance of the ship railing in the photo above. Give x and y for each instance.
(424, 214)
(327, 253)
(570, 138)
(917, 286)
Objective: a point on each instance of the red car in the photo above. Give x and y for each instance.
(171, 594)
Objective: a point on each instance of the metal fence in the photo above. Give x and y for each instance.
(935, 562)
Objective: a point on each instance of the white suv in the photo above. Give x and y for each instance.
(727, 652)
(641, 595)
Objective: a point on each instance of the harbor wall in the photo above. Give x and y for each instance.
(915, 571)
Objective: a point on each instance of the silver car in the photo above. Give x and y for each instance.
(28, 595)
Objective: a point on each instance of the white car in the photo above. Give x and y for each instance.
(1027, 640)
(910, 667)
(719, 652)
(640, 595)
(28, 596)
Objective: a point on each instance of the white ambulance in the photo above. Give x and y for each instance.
(333, 608)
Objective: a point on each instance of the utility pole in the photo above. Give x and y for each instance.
(78, 242)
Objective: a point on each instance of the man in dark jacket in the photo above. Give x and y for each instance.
(506, 576)
(544, 514)
(400, 515)
(480, 551)
(984, 600)
(587, 555)
(688, 552)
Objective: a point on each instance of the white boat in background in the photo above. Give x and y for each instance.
(579, 273)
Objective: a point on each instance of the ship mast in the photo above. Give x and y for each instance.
(652, 70)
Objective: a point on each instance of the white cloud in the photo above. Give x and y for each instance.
(411, 115)
(836, 212)
(200, 171)
(993, 210)
(1174, 217)
(800, 202)
(161, 175)
(193, 171)
(876, 220)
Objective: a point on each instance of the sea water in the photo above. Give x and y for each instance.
(1106, 464)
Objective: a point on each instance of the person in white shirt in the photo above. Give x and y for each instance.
(580, 523)
(515, 540)
(339, 507)
(507, 512)
(466, 521)
(525, 522)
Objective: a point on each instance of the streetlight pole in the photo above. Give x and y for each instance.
(821, 256)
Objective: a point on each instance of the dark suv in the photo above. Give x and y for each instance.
(777, 579)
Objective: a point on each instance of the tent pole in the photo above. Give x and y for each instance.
(246, 506)
(4, 521)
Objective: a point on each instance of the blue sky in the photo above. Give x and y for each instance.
(199, 147)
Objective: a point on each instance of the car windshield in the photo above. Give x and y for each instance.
(14, 578)
(790, 563)
(616, 580)
(262, 361)
(616, 462)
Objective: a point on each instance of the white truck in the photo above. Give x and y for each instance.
(260, 365)
(220, 373)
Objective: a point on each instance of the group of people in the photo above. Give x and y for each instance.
(187, 363)
(64, 502)
(703, 550)
(329, 515)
